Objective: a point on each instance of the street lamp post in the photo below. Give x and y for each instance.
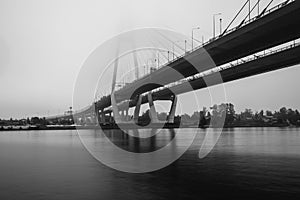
(173, 51)
(220, 26)
(157, 60)
(193, 36)
(214, 24)
(258, 7)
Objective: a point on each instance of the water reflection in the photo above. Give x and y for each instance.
(246, 163)
(129, 153)
(136, 140)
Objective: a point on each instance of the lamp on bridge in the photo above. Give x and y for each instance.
(214, 24)
(193, 36)
(220, 26)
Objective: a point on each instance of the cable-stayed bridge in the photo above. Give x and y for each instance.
(266, 42)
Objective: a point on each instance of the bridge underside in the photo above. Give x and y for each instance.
(275, 28)
(262, 65)
(271, 30)
(283, 59)
(121, 112)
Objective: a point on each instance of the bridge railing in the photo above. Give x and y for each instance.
(262, 54)
(281, 5)
(264, 13)
(218, 69)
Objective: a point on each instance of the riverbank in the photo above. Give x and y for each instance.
(129, 126)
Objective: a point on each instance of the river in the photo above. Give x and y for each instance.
(246, 163)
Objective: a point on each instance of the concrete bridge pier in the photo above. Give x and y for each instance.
(81, 120)
(120, 116)
(137, 110)
(115, 109)
(94, 119)
(153, 113)
(98, 116)
(86, 120)
(171, 115)
(127, 114)
(102, 118)
(110, 118)
(76, 120)
(123, 116)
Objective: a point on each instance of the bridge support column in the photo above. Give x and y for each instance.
(84, 119)
(102, 117)
(77, 120)
(81, 119)
(117, 116)
(98, 118)
(153, 113)
(110, 117)
(123, 115)
(137, 110)
(93, 119)
(171, 116)
(127, 115)
(88, 120)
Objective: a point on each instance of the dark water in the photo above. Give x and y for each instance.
(250, 163)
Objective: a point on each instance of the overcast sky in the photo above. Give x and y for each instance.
(43, 44)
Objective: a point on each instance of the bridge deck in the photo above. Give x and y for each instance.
(282, 59)
(276, 28)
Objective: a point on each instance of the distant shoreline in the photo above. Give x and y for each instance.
(114, 127)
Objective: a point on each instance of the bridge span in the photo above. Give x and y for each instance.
(281, 58)
(261, 32)
(272, 27)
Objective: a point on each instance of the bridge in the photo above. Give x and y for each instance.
(267, 42)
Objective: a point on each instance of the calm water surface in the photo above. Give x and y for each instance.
(248, 163)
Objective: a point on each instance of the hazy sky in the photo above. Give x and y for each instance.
(43, 44)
